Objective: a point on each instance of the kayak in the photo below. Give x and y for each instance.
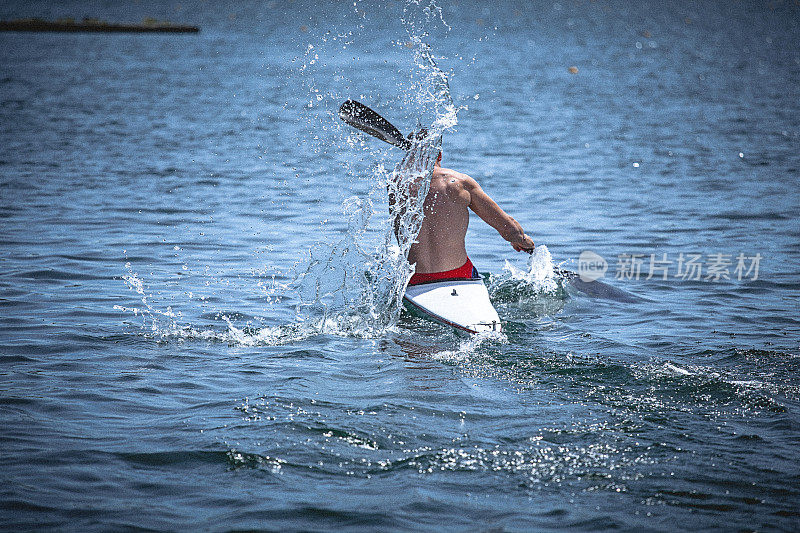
(463, 304)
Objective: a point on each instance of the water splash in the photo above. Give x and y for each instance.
(432, 90)
(166, 324)
(540, 284)
(352, 287)
(152, 317)
(541, 275)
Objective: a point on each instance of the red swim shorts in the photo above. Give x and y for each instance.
(468, 271)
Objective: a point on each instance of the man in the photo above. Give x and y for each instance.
(439, 251)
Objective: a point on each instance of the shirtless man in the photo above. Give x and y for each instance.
(439, 251)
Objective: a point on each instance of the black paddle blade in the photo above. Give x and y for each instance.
(365, 119)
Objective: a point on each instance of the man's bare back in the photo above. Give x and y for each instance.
(440, 245)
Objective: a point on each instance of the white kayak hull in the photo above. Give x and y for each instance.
(462, 304)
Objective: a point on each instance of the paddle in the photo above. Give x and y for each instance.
(365, 119)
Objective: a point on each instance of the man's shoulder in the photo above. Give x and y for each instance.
(455, 177)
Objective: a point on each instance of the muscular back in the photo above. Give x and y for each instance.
(440, 244)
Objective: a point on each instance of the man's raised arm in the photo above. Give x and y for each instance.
(492, 214)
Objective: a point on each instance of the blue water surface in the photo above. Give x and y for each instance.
(162, 196)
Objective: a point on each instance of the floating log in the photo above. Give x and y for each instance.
(94, 25)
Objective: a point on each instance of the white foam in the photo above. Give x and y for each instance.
(470, 345)
(540, 274)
